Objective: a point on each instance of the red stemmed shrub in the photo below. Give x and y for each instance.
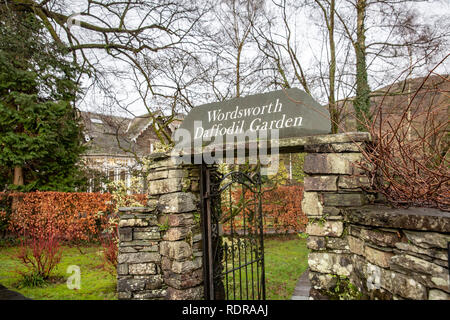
(40, 254)
(45, 220)
(110, 244)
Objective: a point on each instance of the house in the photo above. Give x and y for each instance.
(419, 99)
(116, 145)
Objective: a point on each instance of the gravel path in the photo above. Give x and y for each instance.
(301, 291)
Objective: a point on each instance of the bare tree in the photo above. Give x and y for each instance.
(115, 39)
(284, 51)
(365, 43)
(382, 38)
(278, 45)
(229, 48)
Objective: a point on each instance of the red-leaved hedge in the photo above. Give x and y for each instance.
(281, 208)
(84, 216)
(72, 216)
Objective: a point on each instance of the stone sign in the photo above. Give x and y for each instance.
(292, 112)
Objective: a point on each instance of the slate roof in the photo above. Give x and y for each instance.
(103, 133)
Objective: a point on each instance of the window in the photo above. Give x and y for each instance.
(111, 175)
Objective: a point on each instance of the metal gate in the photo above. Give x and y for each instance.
(233, 243)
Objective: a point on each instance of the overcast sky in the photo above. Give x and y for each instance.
(305, 33)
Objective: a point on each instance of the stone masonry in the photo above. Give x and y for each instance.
(399, 253)
(139, 273)
(333, 182)
(385, 253)
(353, 237)
(160, 253)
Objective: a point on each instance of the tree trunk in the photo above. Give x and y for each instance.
(18, 181)
(332, 99)
(18, 176)
(329, 16)
(361, 102)
(238, 72)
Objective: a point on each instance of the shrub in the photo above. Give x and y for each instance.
(110, 244)
(73, 216)
(5, 212)
(120, 194)
(409, 160)
(40, 254)
(281, 207)
(32, 280)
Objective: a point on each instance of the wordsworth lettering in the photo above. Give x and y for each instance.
(292, 112)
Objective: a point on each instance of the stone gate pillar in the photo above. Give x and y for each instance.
(333, 181)
(160, 252)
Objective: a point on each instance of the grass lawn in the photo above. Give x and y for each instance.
(285, 260)
(96, 282)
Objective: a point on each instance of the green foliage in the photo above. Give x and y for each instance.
(344, 290)
(197, 218)
(361, 103)
(288, 162)
(39, 128)
(282, 174)
(164, 226)
(31, 280)
(321, 221)
(121, 193)
(303, 235)
(298, 160)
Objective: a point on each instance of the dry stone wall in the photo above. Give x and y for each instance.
(139, 273)
(399, 253)
(383, 253)
(160, 253)
(353, 239)
(333, 182)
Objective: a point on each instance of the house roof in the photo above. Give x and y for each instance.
(115, 135)
(141, 123)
